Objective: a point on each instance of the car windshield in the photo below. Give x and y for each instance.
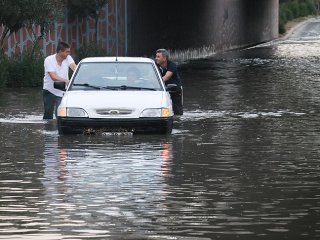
(116, 76)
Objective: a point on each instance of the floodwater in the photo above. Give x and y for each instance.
(242, 163)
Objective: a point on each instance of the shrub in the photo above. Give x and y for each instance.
(282, 28)
(304, 10)
(290, 9)
(26, 70)
(294, 7)
(311, 7)
(4, 65)
(289, 14)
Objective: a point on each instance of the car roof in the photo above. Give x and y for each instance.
(118, 59)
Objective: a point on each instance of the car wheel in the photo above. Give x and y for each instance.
(63, 130)
(168, 128)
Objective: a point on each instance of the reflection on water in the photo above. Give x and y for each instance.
(94, 185)
(242, 162)
(106, 182)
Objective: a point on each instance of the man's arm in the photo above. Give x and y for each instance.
(73, 66)
(167, 76)
(55, 77)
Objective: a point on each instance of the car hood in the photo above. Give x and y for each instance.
(110, 103)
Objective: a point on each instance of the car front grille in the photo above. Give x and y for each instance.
(113, 112)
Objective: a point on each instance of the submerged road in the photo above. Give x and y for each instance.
(242, 163)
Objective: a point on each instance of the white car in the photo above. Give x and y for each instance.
(115, 94)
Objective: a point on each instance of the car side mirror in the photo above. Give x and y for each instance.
(172, 88)
(59, 85)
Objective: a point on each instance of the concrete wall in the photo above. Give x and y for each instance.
(190, 24)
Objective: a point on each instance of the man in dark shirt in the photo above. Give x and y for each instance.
(169, 73)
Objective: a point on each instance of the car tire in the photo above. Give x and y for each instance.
(168, 128)
(63, 130)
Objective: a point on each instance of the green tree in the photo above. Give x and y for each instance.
(87, 8)
(25, 13)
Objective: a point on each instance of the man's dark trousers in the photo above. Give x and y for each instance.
(51, 102)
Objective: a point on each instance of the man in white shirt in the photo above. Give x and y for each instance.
(56, 68)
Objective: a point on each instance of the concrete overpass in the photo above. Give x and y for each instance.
(138, 27)
(193, 24)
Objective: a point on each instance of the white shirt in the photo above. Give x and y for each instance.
(51, 65)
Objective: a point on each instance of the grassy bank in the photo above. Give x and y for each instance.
(293, 23)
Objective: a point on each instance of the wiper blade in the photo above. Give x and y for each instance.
(141, 88)
(86, 85)
(125, 87)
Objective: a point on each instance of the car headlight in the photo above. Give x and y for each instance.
(155, 112)
(72, 112)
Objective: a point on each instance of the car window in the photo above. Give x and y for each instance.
(135, 76)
